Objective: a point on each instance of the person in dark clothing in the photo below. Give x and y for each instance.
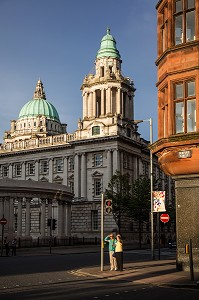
(14, 246)
(6, 245)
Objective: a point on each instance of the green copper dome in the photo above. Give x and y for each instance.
(39, 106)
(108, 47)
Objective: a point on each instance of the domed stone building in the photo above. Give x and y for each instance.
(37, 118)
(38, 148)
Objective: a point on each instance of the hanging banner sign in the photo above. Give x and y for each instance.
(159, 201)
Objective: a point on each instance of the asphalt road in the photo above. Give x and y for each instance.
(54, 277)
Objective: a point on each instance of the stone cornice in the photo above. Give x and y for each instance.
(176, 141)
(175, 49)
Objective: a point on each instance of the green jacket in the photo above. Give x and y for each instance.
(111, 242)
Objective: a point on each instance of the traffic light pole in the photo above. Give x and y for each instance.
(102, 232)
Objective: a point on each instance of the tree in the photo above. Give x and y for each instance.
(119, 191)
(140, 203)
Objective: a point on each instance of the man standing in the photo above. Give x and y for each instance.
(14, 246)
(7, 247)
(112, 241)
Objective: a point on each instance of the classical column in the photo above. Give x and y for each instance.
(64, 218)
(6, 208)
(28, 216)
(83, 176)
(23, 171)
(102, 102)
(109, 167)
(76, 176)
(111, 100)
(94, 104)
(108, 100)
(122, 102)
(50, 170)
(19, 217)
(36, 170)
(122, 162)
(11, 216)
(90, 105)
(43, 216)
(10, 168)
(135, 167)
(1, 207)
(60, 219)
(84, 103)
(118, 109)
(116, 161)
(49, 214)
(65, 174)
(68, 219)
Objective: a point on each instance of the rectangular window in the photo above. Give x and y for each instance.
(4, 171)
(71, 185)
(71, 164)
(126, 161)
(164, 29)
(58, 165)
(30, 168)
(98, 160)
(179, 112)
(43, 167)
(94, 219)
(17, 170)
(97, 187)
(184, 20)
(190, 26)
(185, 107)
(145, 167)
(95, 130)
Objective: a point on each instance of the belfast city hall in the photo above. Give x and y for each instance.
(48, 173)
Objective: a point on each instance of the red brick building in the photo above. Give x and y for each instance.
(177, 147)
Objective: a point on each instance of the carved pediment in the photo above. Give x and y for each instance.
(44, 179)
(97, 174)
(58, 179)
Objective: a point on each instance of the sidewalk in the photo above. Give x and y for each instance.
(157, 272)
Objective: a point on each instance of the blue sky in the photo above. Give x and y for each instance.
(57, 41)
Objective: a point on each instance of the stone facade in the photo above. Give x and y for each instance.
(106, 140)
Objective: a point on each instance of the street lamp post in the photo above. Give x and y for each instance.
(151, 182)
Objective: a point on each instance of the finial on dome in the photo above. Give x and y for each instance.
(108, 30)
(39, 91)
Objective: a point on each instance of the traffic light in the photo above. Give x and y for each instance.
(54, 224)
(108, 206)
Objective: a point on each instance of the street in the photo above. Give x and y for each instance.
(56, 276)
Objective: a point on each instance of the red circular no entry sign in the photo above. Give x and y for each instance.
(3, 221)
(164, 218)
